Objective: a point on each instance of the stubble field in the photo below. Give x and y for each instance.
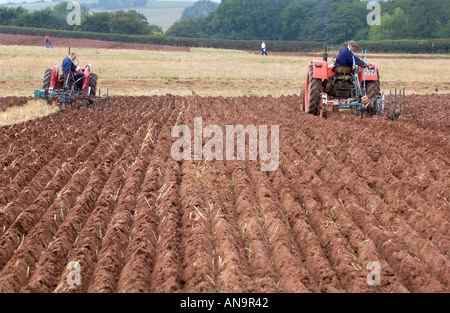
(99, 191)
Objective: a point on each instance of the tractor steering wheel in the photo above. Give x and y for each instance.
(77, 62)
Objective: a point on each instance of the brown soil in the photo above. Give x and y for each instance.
(331, 55)
(101, 188)
(10, 101)
(25, 40)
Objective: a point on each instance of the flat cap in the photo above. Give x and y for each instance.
(352, 43)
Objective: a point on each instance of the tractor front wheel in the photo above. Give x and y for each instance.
(313, 92)
(373, 88)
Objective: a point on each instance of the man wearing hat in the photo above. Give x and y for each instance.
(346, 60)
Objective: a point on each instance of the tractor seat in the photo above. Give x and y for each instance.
(342, 70)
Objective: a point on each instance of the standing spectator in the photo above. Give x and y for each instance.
(48, 41)
(263, 48)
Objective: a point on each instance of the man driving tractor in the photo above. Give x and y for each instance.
(68, 66)
(346, 59)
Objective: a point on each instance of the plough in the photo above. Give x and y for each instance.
(387, 108)
(76, 99)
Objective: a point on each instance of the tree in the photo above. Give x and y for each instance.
(129, 22)
(249, 19)
(97, 22)
(200, 9)
(444, 29)
(391, 27)
(347, 20)
(44, 18)
(60, 12)
(9, 15)
(61, 9)
(304, 20)
(120, 22)
(425, 17)
(198, 28)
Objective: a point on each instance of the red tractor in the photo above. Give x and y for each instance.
(63, 88)
(53, 81)
(352, 89)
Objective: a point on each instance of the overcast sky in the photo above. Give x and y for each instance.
(19, 1)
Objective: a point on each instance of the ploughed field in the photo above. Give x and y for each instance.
(99, 193)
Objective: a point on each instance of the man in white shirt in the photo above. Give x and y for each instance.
(263, 48)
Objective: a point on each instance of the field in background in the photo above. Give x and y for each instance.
(159, 4)
(160, 13)
(205, 72)
(163, 17)
(30, 6)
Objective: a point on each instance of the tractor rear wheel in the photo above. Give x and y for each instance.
(93, 83)
(47, 78)
(313, 92)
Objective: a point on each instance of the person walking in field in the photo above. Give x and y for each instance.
(48, 42)
(263, 48)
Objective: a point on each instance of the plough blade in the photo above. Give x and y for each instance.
(391, 108)
(73, 99)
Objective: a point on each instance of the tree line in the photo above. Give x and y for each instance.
(55, 17)
(331, 21)
(323, 21)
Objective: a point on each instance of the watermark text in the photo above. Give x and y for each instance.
(213, 149)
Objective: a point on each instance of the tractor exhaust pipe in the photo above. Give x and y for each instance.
(325, 55)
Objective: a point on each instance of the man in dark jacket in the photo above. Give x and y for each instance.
(346, 60)
(68, 66)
